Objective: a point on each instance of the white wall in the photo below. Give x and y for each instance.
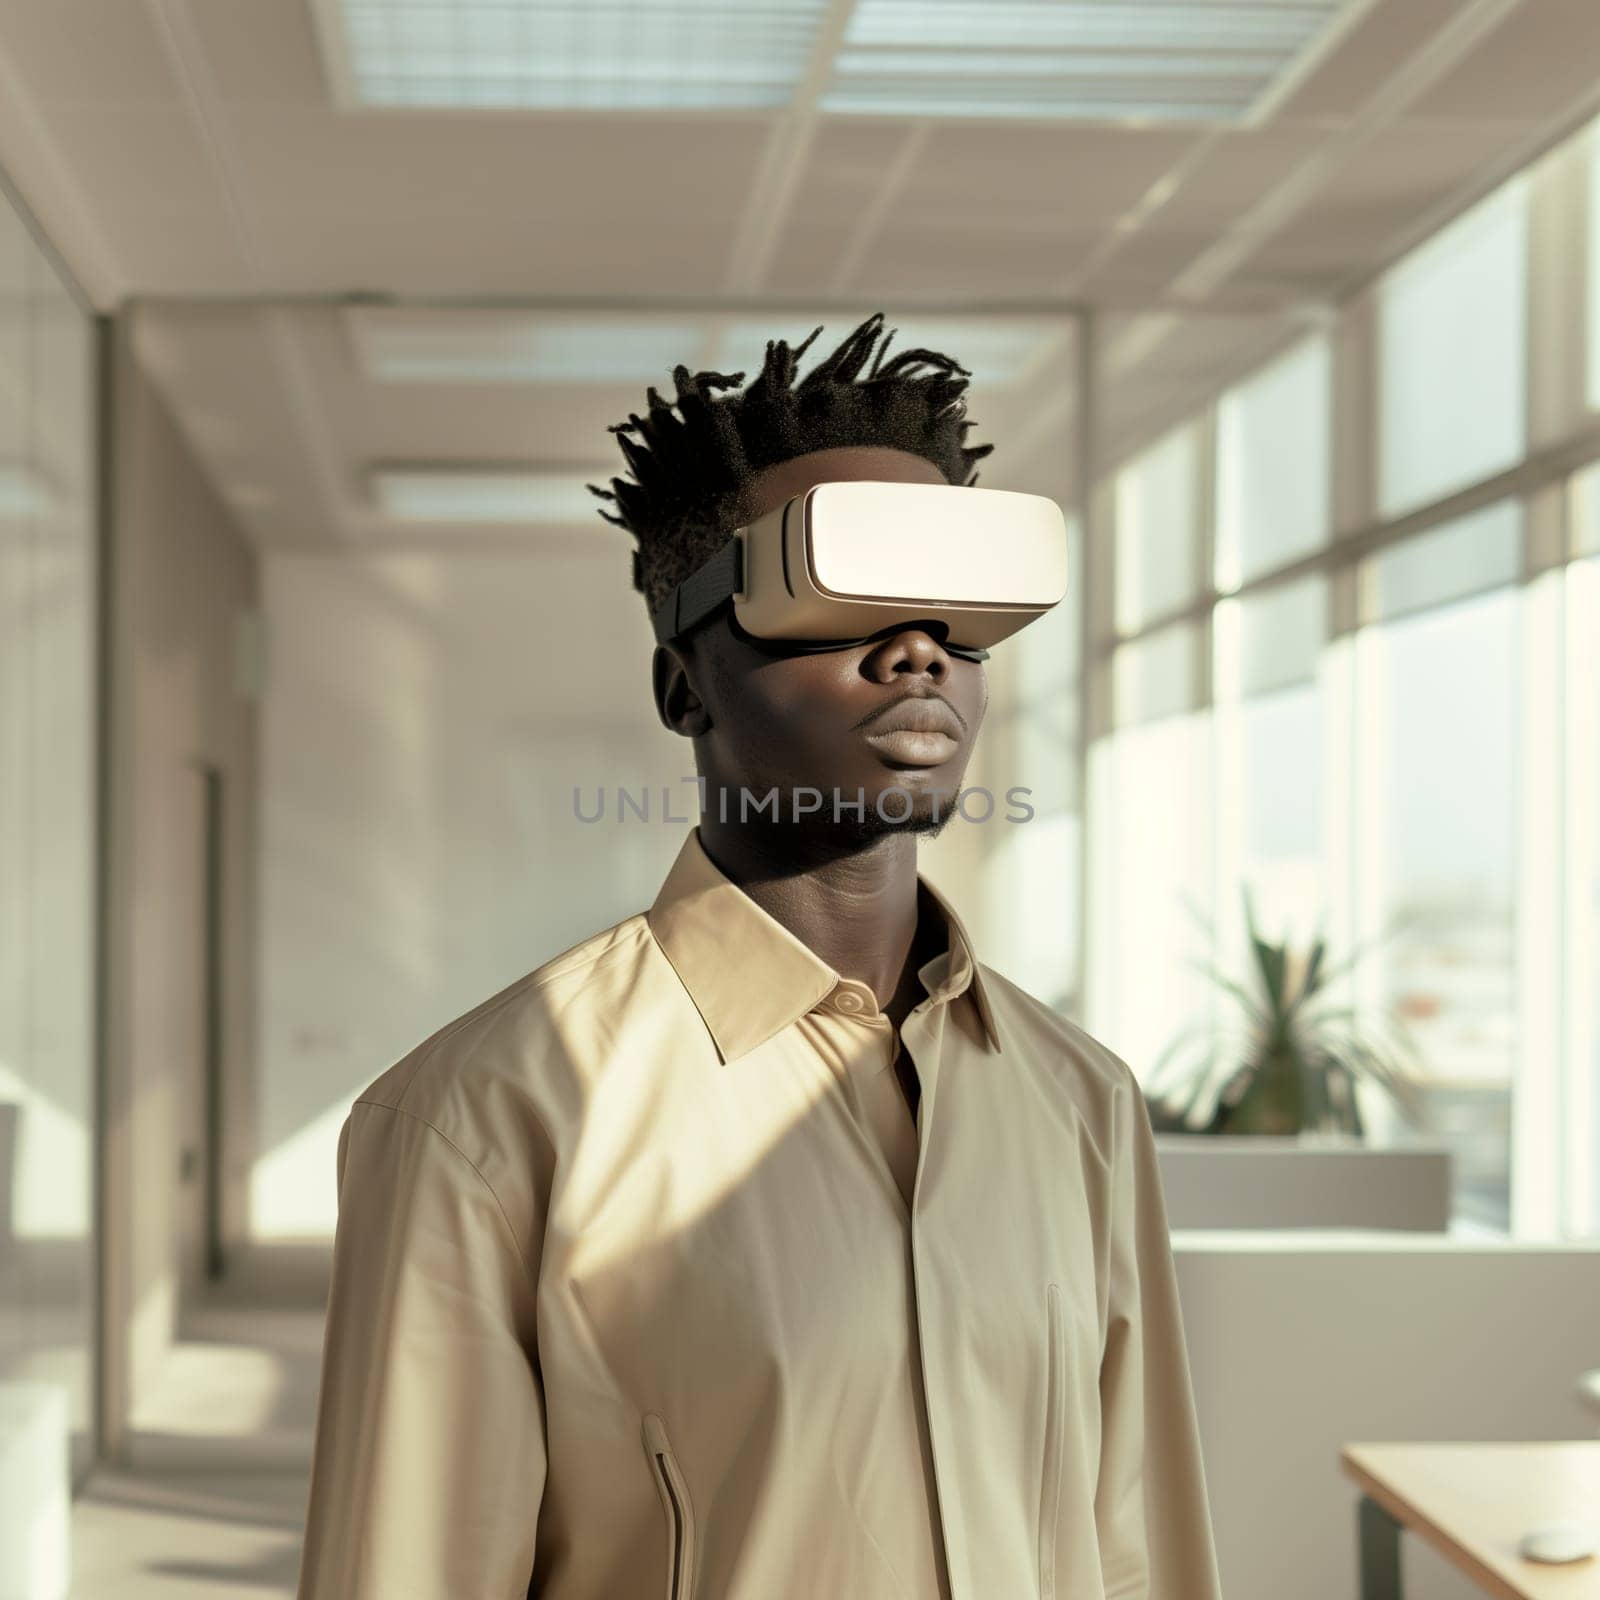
(426, 718)
(1300, 1345)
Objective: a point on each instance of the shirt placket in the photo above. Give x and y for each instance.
(864, 1046)
(920, 1037)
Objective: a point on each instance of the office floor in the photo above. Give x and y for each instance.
(212, 1501)
(161, 1534)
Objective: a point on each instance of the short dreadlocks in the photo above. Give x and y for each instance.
(692, 464)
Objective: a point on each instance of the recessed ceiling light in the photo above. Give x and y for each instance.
(1101, 60)
(1098, 60)
(400, 346)
(592, 55)
(485, 494)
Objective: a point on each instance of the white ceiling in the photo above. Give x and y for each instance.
(189, 151)
(292, 410)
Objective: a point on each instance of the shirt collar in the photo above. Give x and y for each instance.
(750, 978)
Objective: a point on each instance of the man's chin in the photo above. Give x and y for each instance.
(918, 802)
(926, 817)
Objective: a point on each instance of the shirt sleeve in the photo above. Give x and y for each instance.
(429, 1460)
(1151, 1511)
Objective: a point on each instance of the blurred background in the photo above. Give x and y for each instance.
(313, 315)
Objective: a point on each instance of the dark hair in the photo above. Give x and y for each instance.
(692, 463)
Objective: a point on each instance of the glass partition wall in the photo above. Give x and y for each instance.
(47, 830)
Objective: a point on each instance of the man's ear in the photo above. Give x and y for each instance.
(678, 702)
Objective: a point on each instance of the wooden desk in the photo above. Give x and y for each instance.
(1473, 1503)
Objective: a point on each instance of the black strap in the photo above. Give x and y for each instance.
(693, 600)
(700, 594)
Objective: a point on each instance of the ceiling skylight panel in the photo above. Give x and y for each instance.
(601, 55)
(1089, 24)
(465, 494)
(489, 347)
(1204, 60)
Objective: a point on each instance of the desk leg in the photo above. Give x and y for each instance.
(1379, 1536)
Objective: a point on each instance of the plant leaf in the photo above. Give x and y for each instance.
(1253, 1006)
(1308, 984)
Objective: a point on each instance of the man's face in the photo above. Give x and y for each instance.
(891, 723)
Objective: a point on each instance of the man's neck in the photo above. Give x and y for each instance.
(858, 910)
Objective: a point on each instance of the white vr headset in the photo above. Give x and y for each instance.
(846, 562)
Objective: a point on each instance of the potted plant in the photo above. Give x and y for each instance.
(1290, 1060)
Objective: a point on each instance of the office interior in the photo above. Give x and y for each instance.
(313, 318)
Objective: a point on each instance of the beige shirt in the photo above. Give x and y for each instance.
(628, 1303)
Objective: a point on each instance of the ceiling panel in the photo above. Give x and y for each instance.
(926, 263)
(1376, 47)
(1403, 172)
(811, 250)
(838, 196)
(1544, 54)
(453, 170)
(844, 181)
(1231, 176)
(199, 259)
(146, 162)
(87, 52)
(983, 176)
(1143, 264)
(507, 254)
(841, 145)
(1375, 204)
(262, 52)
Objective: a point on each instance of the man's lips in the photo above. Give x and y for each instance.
(915, 731)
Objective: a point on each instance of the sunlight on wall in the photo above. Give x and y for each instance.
(293, 1186)
(426, 721)
(1030, 902)
(51, 1181)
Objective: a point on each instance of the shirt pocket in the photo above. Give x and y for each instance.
(1055, 1401)
(676, 1504)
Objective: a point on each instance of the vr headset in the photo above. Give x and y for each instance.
(845, 562)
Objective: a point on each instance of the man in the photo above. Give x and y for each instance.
(766, 1244)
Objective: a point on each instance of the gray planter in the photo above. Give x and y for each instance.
(1262, 1182)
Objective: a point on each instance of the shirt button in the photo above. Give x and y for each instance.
(848, 1000)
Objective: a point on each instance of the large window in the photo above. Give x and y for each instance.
(1157, 530)
(1437, 754)
(1271, 771)
(1035, 938)
(1347, 663)
(1154, 844)
(1272, 466)
(1452, 356)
